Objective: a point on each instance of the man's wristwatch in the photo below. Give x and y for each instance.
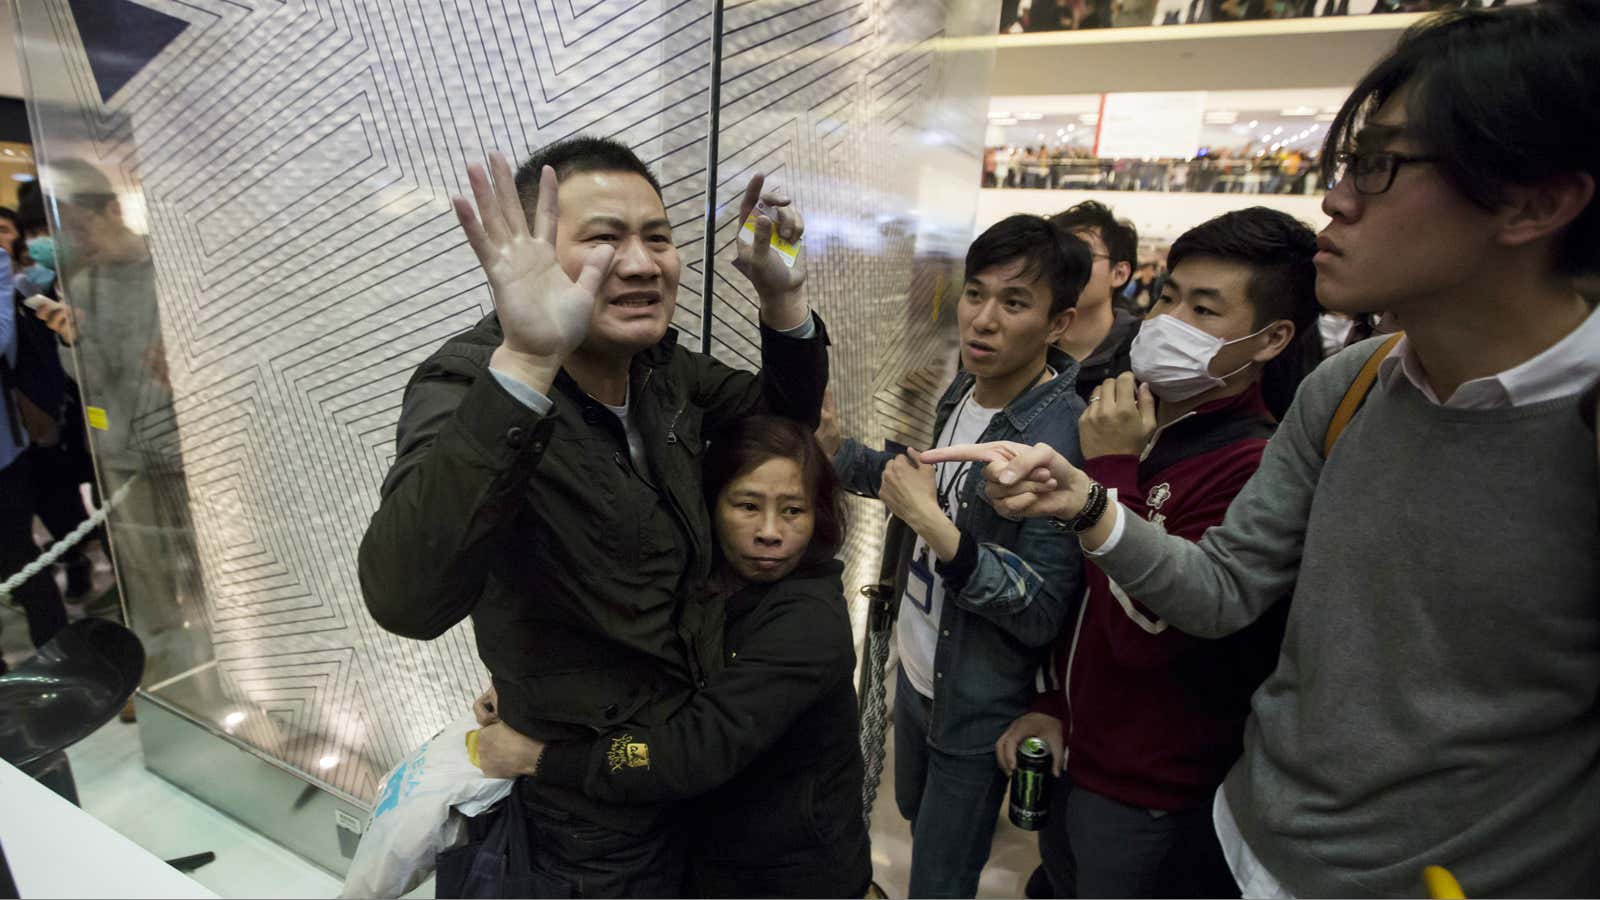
(1093, 509)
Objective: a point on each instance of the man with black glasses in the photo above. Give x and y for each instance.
(1429, 500)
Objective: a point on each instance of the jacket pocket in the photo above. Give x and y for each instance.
(833, 804)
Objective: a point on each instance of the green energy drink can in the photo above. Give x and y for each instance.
(1030, 786)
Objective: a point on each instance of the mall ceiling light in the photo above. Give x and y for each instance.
(1030, 117)
(22, 176)
(1298, 111)
(1221, 117)
(327, 762)
(1254, 122)
(1089, 118)
(1004, 122)
(999, 115)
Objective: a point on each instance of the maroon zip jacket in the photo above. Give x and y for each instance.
(1155, 717)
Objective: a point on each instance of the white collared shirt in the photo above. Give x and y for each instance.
(1568, 367)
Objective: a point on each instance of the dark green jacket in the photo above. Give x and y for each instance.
(573, 565)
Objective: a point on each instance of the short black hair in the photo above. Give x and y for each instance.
(1278, 248)
(30, 206)
(10, 215)
(1503, 97)
(76, 182)
(1057, 257)
(574, 155)
(1119, 235)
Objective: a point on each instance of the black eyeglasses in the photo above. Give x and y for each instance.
(1374, 172)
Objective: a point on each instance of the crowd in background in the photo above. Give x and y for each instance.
(1218, 171)
(1022, 16)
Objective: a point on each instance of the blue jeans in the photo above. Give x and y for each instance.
(1093, 846)
(950, 801)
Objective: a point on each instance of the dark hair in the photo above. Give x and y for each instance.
(1057, 257)
(576, 155)
(1119, 235)
(1278, 248)
(30, 206)
(1503, 97)
(78, 183)
(10, 215)
(751, 441)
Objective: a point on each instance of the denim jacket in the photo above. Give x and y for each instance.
(1005, 603)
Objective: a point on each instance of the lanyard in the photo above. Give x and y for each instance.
(959, 473)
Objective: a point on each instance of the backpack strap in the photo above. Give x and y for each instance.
(1357, 394)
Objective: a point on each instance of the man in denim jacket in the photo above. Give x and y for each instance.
(982, 597)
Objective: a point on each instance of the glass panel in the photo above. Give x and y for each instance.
(873, 123)
(253, 207)
(253, 202)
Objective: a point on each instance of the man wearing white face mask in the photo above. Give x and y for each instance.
(1151, 718)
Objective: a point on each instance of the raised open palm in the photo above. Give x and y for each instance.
(543, 313)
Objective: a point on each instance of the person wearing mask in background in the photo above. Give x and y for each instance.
(982, 596)
(1101, 334)
(60, 470)
(1146, 720)
(1435, 699)
(769, 751)
(39, 597)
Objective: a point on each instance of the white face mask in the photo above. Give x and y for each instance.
(1174, 358)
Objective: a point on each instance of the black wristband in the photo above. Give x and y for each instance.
(1093, 509)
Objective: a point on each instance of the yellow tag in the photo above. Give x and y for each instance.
(472, 748)
(639, 756)
(97, 418)
(789, 252)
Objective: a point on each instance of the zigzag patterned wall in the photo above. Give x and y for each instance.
(292, 163)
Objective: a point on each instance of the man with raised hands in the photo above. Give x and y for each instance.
(546, 479)
(1435, 701)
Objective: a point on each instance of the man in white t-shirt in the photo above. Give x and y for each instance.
(983, 596)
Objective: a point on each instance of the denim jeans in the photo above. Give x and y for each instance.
(1093, 846)
(950, 801)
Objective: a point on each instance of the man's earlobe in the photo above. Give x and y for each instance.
(1539, 211)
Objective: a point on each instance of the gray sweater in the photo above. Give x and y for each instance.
(1437, 700)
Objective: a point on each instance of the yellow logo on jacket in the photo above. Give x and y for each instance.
(626, 753)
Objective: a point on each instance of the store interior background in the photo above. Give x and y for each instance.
(889, 174)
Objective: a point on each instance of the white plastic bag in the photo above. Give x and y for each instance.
(420, 811)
